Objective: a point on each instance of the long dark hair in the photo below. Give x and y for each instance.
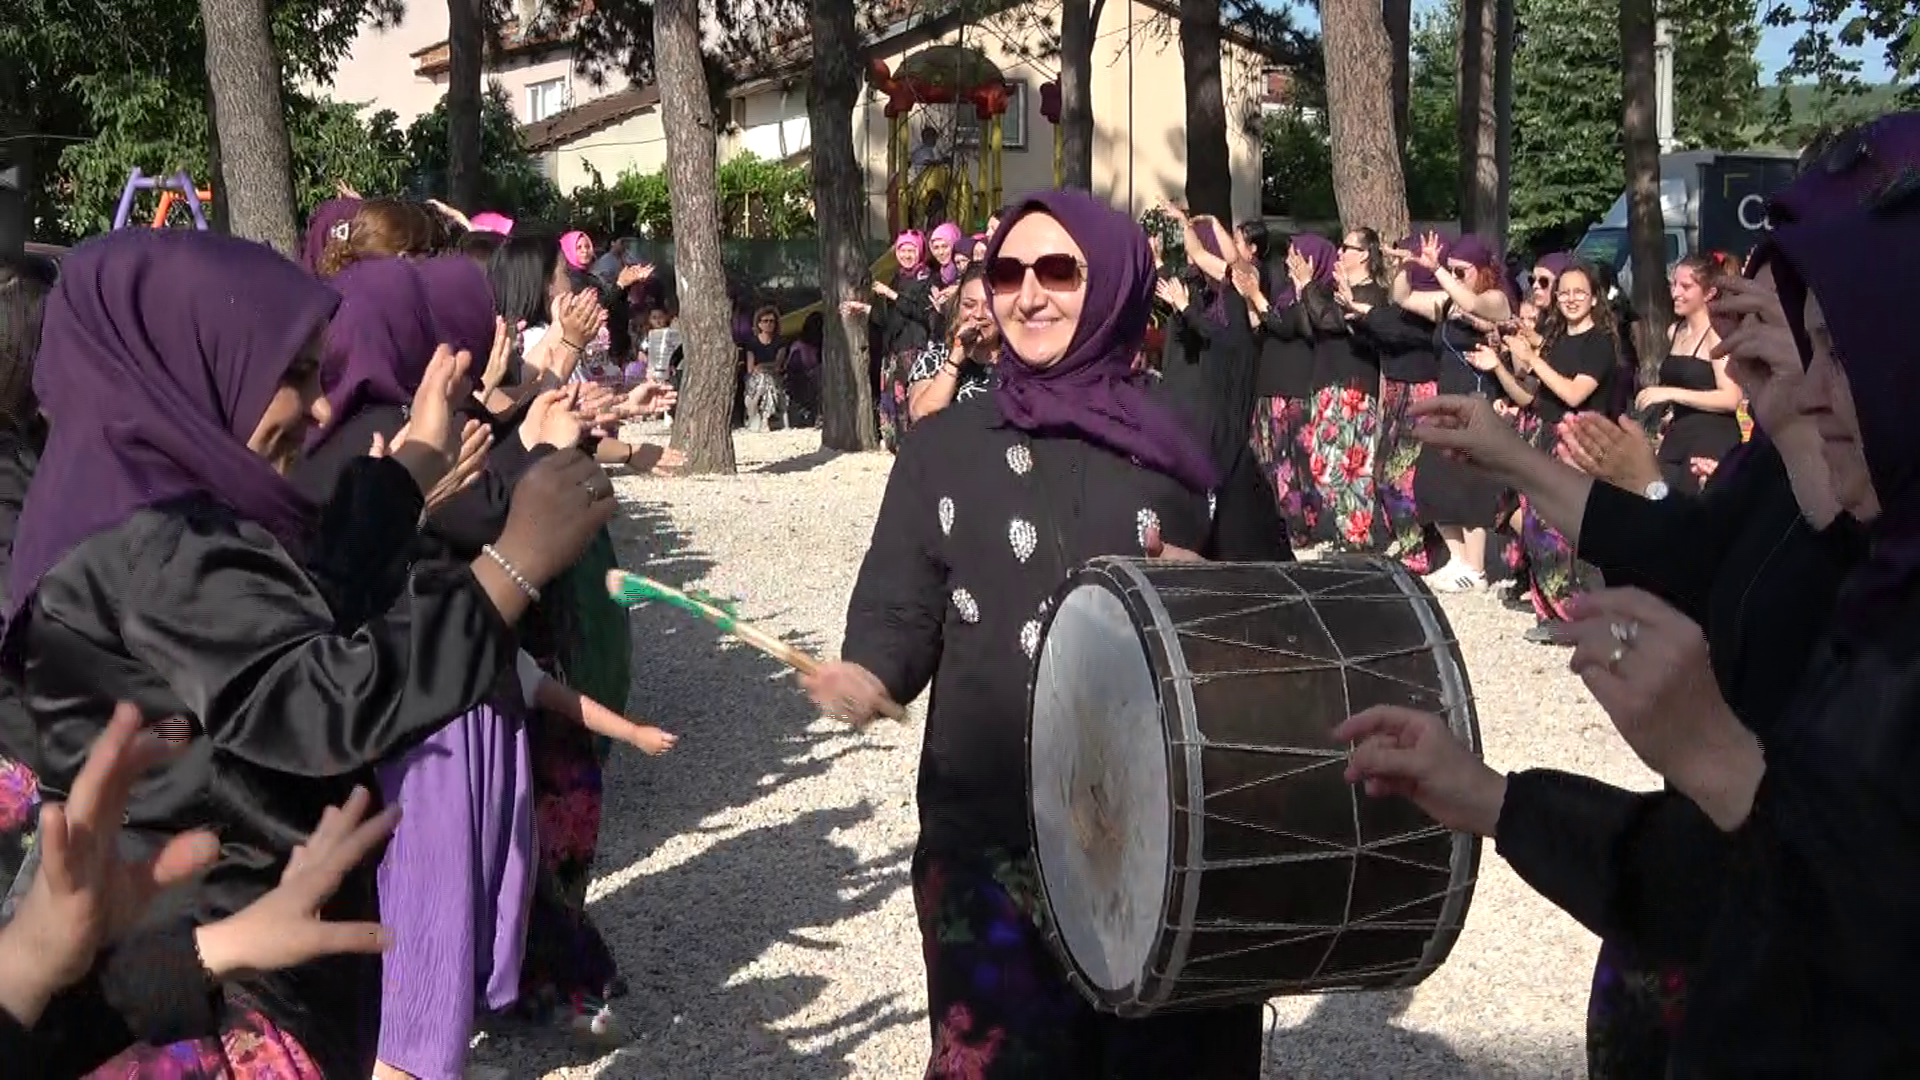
(520, 273)
(1376, 258)
(25, 281)
(1625, 383)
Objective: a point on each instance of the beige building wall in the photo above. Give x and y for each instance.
(379, 71)
(636, 144)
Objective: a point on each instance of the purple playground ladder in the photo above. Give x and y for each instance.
(179, 183)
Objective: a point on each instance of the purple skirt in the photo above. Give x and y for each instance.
(455, 885)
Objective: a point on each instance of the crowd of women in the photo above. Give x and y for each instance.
(276, 559)
(338, 533)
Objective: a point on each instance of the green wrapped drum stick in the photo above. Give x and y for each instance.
(631, 588)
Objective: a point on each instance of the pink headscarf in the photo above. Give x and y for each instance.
(488, 221)
(569, 242)
(949, 232)
(912, 238)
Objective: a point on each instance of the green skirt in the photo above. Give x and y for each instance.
(596, 651)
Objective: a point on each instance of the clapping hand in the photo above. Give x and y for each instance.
(1484, 358)
(498, 357)
(1648, 667)
(1466, 428)
(430, 442)
(551, 421)
(882, 289)
(1172, 292)
(852, 308)
(1299, 269)
(283, 929)
(649, 399)
(630, 276)
(1617, 451)
(476, 440)
(85, 893)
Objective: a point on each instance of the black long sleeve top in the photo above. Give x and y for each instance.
(978, 526)
(187, 611)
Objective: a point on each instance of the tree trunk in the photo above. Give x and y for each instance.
(219, 215)
(1646, 228)
(847, 417)
(17, 154)
(1477, 122)
(1503, 119)
(254, 152)
(1209, 162)
(703, 426)
(466, 50)
(1078, 19)
(1398, 15)
(1367, 180)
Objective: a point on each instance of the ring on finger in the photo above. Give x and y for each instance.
(1614, 657)
(1626, 633)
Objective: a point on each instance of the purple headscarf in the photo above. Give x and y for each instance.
(160, 351)
(328, 221)
(1864, 266)
(1555, 263)
(461, 303)
(379, 343)
(1091, 392)
(1419, 278)
(1322, 256)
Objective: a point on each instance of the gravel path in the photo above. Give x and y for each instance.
(753, 883)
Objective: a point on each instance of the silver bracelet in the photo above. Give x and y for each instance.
(512, 572)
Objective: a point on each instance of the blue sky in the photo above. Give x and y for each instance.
(1774, 45)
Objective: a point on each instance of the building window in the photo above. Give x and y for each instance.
(546, 99)
(1013, 125)
(737, 112)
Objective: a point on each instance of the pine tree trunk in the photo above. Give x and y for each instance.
(1398, 15)
(847, 417)
(1646, 228)
(466, 49)
(255, 155)
(1368, 183)
(219, 215)
(1503, 119)
(703, 425)
(1476, 124)
(1078, 18)
(1209, 163)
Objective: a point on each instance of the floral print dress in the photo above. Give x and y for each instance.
(1403, 535)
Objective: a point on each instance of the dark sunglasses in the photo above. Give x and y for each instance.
(1353, 247)
(1055, 273)
(1542, 281)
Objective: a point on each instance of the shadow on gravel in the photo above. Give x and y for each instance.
(1356, 1036)
(688, 936)
(813, 459)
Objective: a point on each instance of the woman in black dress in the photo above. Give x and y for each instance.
(1799, 901)
(1460, 503)
(1576, 367)
(901, 328)
(1702, 425)
(990, 504)
(173, 584)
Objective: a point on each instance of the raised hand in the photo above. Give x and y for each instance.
(283, 928)
(499, 356)
(551, 421)
(630, 276)
(430, 441)
(85, 894)
(1173, 292)
(475, 443)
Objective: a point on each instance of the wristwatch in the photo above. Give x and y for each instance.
(1658, 490)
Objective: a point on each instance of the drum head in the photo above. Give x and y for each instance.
(1098, 772)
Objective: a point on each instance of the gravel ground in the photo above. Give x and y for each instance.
(753, 883)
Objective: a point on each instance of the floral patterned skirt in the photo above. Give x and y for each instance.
(766, 399)
(19, 812)
(895, 370)
(251, 1048)
(1341, 440)
(1404, 536)
(1552, 574)
(1000, 1006)
(1633, 1014)
(1281, 437)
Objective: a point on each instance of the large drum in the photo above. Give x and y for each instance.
(1198, 843)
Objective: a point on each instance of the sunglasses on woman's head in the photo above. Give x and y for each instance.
(1054, 273)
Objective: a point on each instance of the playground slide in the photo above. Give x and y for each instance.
(791, 322)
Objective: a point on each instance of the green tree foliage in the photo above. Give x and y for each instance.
(1829, 31)
(1433, 136)
(759, 200)
(509, 177)
(1297, 181)
(1567, 153)
(1716, 74)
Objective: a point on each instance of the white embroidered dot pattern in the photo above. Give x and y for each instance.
(1030, 637)
(1023, 537)
(1144, 522)
(946, 516)
(1019, 459)
(964, 602)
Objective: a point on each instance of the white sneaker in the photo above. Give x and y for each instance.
(1455, 578)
